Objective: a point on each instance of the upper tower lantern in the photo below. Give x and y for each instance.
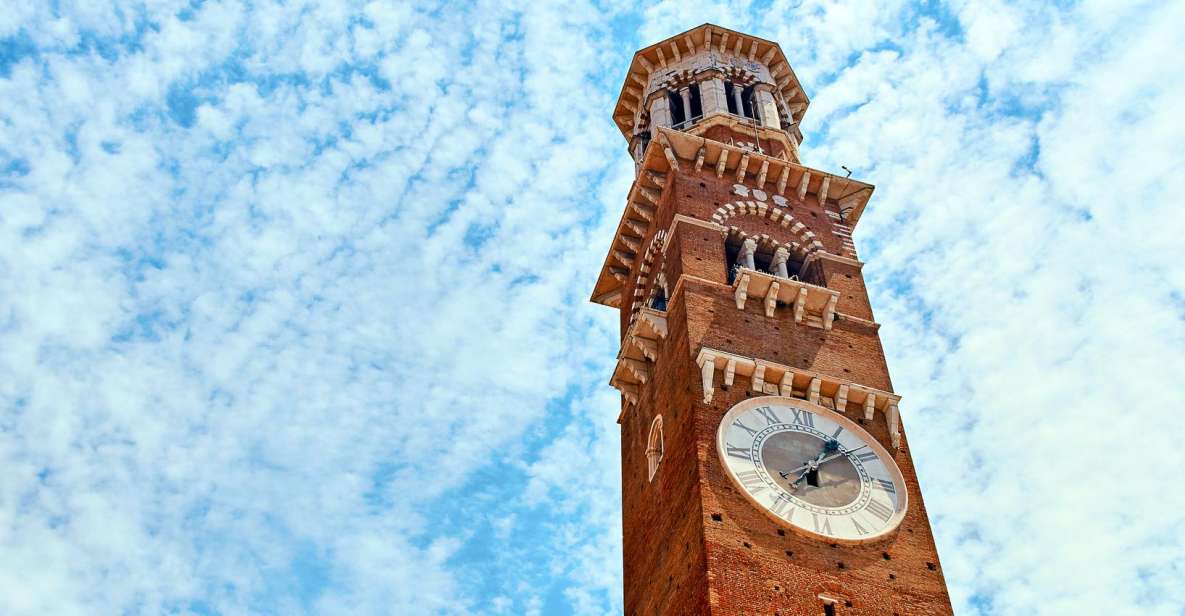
(711, 81)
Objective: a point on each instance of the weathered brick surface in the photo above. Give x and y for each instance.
(678, 558)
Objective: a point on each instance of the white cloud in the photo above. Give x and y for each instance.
(327, 348)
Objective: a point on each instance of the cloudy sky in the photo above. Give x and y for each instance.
(293, 296)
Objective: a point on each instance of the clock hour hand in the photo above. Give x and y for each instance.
(805, 468)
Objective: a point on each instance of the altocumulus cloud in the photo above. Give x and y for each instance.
(292, 296)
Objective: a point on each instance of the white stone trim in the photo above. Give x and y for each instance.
(812, 304)
(654, 447)
(808, 243)
(814, 386)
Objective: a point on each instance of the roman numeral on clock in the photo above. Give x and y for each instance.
(865, 456)
(879, 510)
(825, 527)
(782, 507)
(752, 482)
(742, 426)
(860, 530)
(738, 452)
(768, 414)
(804, 418)
(886, 485)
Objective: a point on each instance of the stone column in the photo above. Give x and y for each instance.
(748, 249)
(736, 97)
(660, 110)
(781, 255)
(767, 108)
(685, 96)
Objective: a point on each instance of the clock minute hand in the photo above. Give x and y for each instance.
(819, 461)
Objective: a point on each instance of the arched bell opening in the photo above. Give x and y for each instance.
(765, 256)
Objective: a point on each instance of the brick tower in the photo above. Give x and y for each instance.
(764, 467)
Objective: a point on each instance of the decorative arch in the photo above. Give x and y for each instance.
(807, 243)
(654, 447)
(646, 265)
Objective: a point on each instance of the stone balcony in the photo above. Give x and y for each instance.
(811, 304)
(639, 351)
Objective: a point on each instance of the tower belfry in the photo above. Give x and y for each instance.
(764, 466)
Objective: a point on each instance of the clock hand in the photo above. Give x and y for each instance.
(817, 460)
(822, 458)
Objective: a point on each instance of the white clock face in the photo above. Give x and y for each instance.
(812, 468)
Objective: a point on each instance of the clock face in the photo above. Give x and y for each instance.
(812, 469)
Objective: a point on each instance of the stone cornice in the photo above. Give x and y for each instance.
(776, 379)
(672, 150)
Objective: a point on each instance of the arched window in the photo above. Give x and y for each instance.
(654, 446)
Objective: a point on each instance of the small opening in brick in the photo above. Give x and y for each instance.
(746, 544)
(828, 609)
(839, 564)
(781, 533)
(885, 555)
(716, 517)
(777, 588)
(789, 553)
(892, 577)
(833, 546)
(932, 566)
(702, 185)
(847, 604)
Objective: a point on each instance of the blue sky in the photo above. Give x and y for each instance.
(293, 296)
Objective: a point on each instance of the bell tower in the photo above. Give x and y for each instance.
(740, 291)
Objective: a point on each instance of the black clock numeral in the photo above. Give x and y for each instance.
(782, 507)
(825, 527)
(752, 482)
(886, 485)
(804, 418)
(879, 510)
(768, 414)
(742, 426)
(860, 530)
(865, 456)
(739, 452)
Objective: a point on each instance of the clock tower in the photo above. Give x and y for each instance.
(765, 469)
